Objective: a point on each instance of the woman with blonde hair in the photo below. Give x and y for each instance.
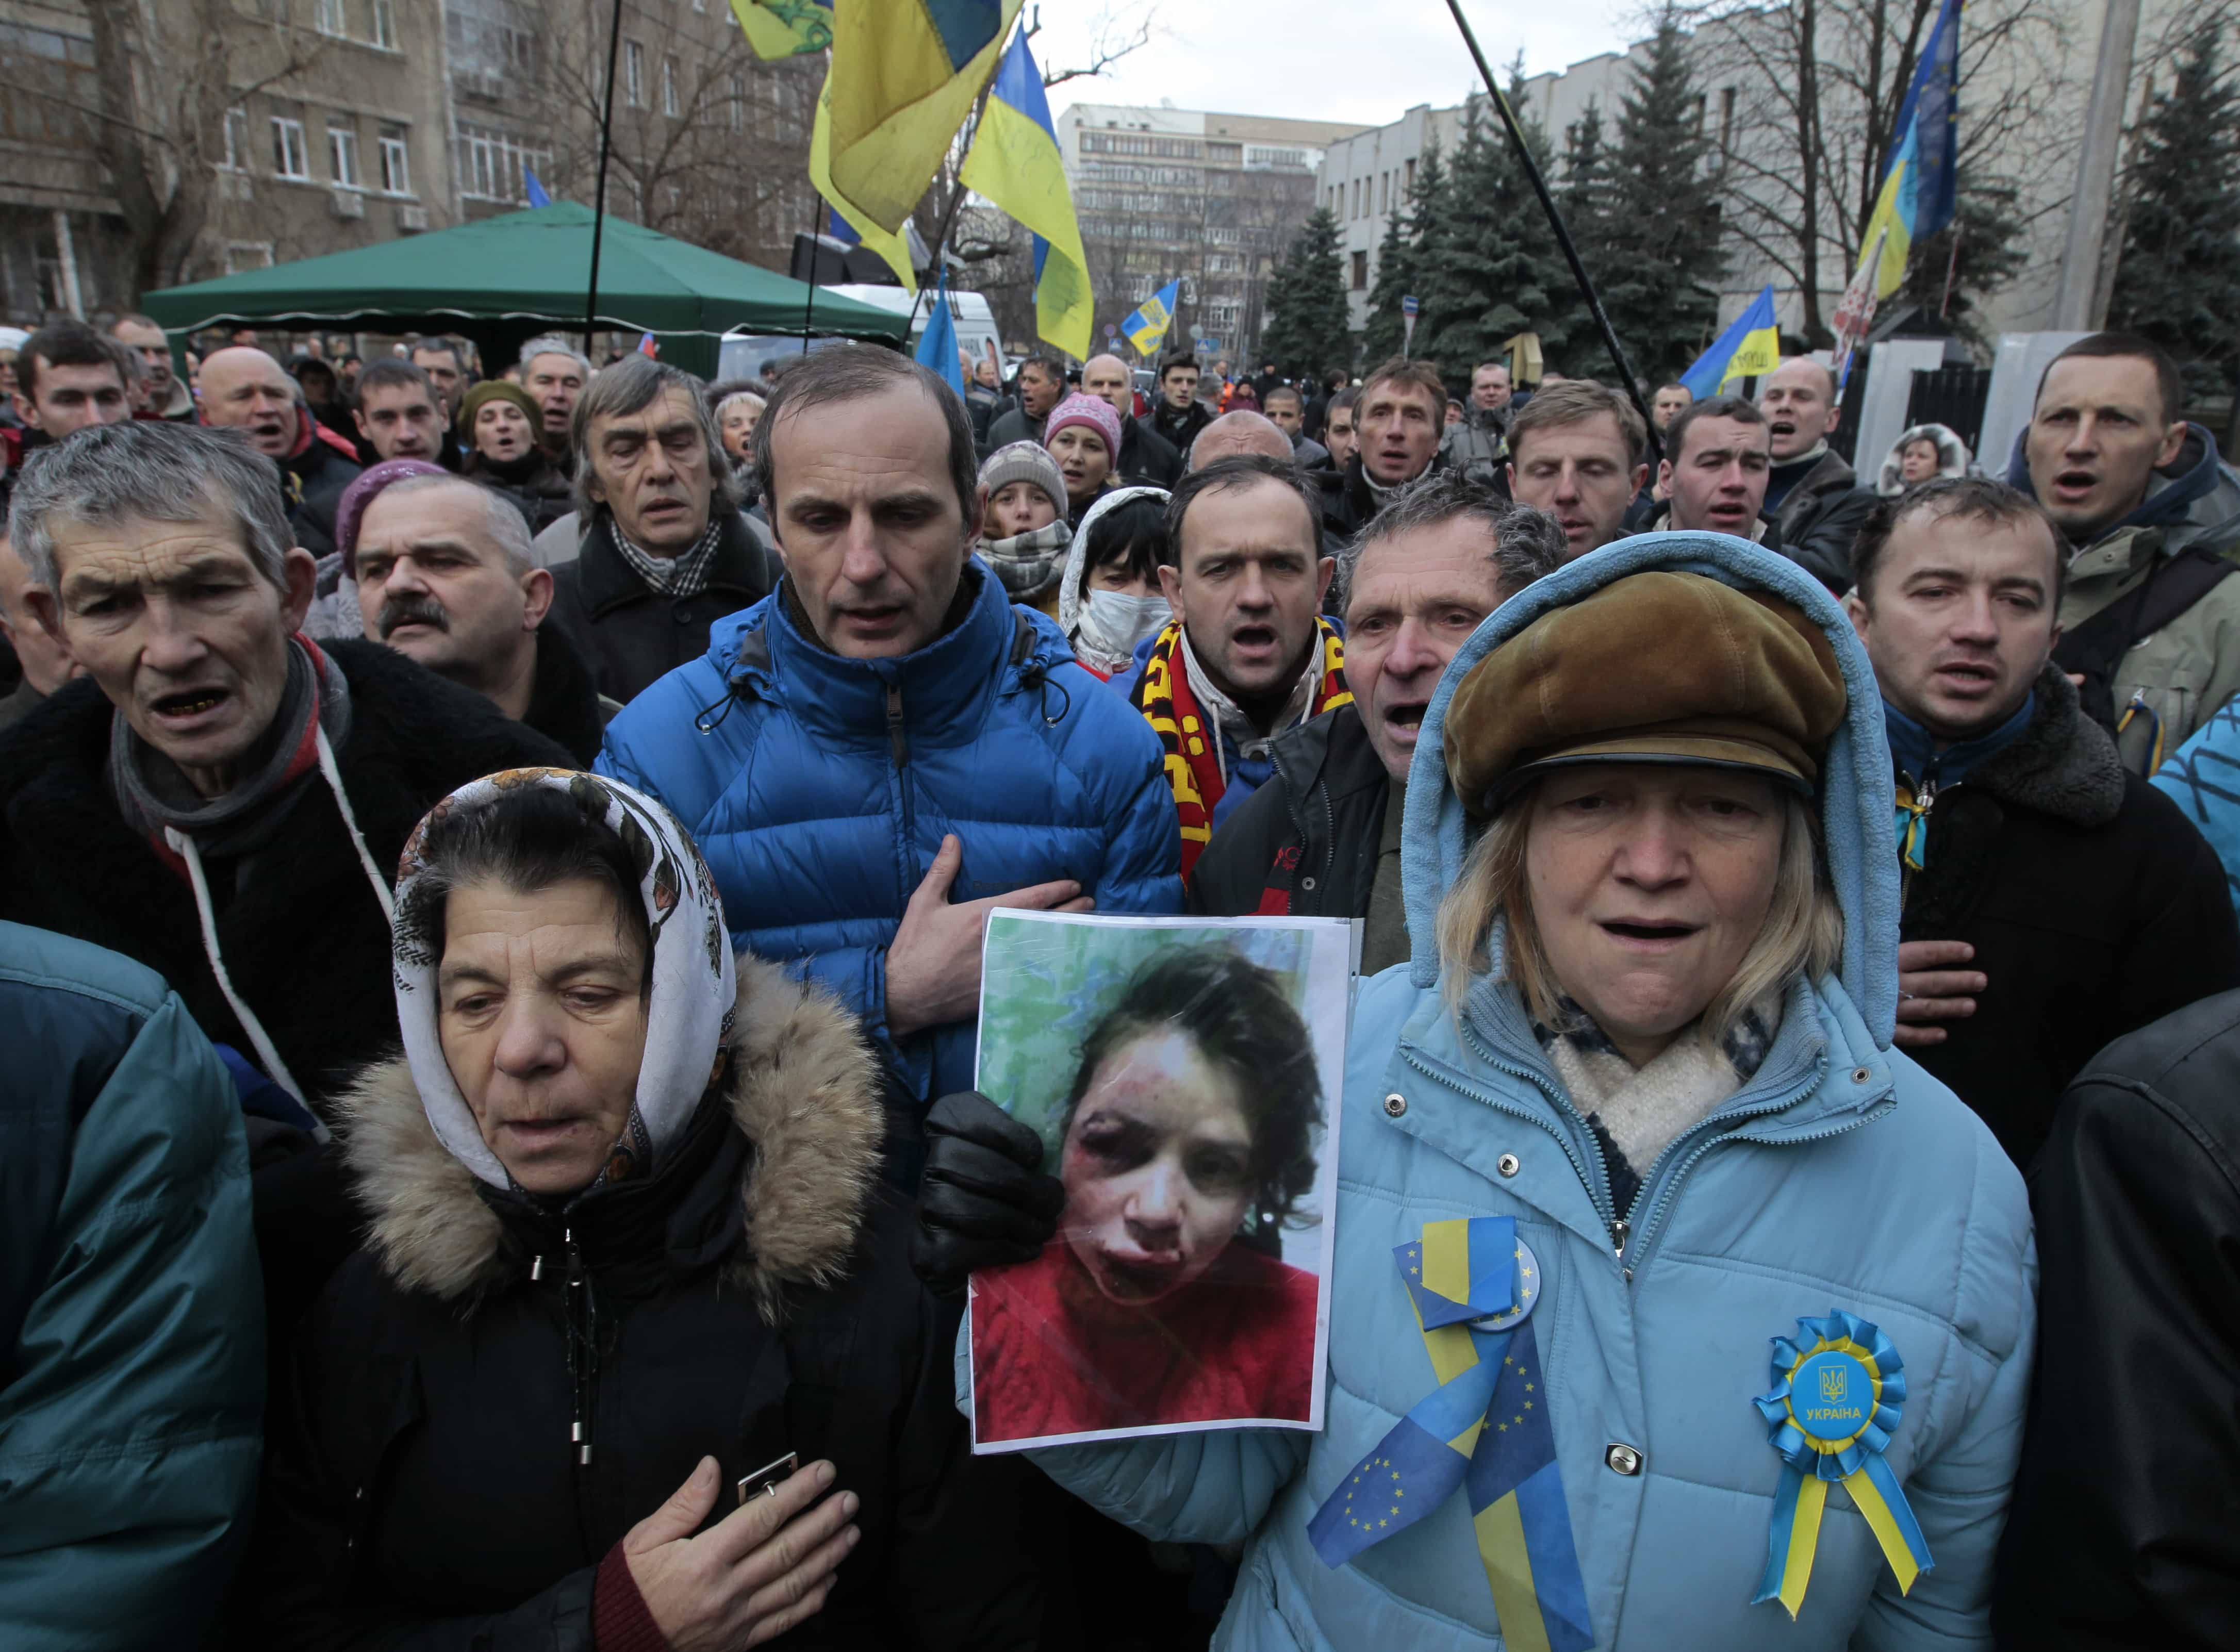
(1665, 1287)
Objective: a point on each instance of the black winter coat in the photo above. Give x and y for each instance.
(1820, 516)
(1348, 504)
(751, 1298)
(631, 634)
(1179, 429)
(1147, 459)
(1306, 842)
(2093, 904)
(2121, 1535)
(314, 482)
(564, 704)
(303, 937)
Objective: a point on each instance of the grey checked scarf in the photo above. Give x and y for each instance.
(685, 575)
(1029, 564)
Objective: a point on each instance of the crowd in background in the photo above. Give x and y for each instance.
(493, 858)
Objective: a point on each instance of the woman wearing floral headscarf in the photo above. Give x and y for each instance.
(624, 1250)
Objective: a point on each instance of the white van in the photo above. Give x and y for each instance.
(743, 354)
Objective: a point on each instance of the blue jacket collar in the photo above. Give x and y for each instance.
(1913, 748)
(1856, 793)
(946, 687)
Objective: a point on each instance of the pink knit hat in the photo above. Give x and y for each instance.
(1091, 411)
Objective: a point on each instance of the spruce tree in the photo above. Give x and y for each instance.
(1308, 330)
(1397, 265)
(1497, 271)
(1660, 258)
(2180, 267)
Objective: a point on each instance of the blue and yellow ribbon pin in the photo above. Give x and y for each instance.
(1839, 1393)
(1486, 1429)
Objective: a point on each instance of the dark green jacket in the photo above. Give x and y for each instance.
(131, 1313)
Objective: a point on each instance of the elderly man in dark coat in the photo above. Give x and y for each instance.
(223, 800)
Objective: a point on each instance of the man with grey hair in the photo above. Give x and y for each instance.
(445, 577)
(663, 551)
(224, 799)
(887, 732)
(1322, 837)
(555, 372)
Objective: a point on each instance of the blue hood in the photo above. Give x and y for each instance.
(1856, 798)
(2172, 494)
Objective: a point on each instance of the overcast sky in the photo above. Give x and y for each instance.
(1321, 59)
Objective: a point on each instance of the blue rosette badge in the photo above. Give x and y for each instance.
(1839, 1393)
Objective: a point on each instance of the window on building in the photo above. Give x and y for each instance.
(1357, 199)
(1726, 120)
(1384, 192)
(291, 159)
(384, 24)
(670, 105)
(735, 104)
(342, 155)
(1361, 272)
(395, 164)
(247, 255)
(236, 140)
(633, 74)
(1408, 169)
(329, 18)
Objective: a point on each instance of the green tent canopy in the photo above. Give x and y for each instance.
(503, 280)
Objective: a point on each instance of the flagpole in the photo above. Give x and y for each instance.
(599, 200)
(1563, 235)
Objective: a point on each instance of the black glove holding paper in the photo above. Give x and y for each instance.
(983, 1201)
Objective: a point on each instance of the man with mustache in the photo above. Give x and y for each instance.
(2052, 902)
(663, 552)
(445, 577)
(1247, 654)
(219, 801)
(1322, 838)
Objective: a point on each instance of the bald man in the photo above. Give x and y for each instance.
(242, 388)
(1239, 432)
(1147, 459)
(1810, 492)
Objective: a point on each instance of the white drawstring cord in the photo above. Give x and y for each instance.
(275, 1069)
(184, 847)
(334, 774)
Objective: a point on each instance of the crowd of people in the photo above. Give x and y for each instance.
(492, 880)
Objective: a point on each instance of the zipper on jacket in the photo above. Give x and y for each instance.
(897, 742)
(1596, 1184)
(583, 1350)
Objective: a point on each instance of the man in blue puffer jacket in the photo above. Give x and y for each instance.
(886, 730)
(1839, 1176)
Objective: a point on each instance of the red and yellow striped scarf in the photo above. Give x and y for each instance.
(1193, 765)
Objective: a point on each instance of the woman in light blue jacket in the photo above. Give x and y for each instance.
(1654, 919)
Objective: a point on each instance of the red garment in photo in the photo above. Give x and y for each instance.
(1051, 1354)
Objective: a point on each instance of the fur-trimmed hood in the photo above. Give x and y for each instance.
(802, 1087)
(1952, 458)
(2063, 763)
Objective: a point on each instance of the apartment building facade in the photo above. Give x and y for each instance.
(1211, 199)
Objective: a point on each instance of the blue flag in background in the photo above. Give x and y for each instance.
(537, 196)
(936, 346)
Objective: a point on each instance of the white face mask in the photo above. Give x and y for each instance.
(1114, 622)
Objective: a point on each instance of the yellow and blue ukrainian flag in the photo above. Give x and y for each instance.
(1015, 163)
(785, 27)
(905, 74)
(936, 346)
(1146, 326)
(1484, 1428)
(1750, 348)
(1919, 187)
(850, 221)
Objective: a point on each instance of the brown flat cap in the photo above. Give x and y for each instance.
(1653, 668)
